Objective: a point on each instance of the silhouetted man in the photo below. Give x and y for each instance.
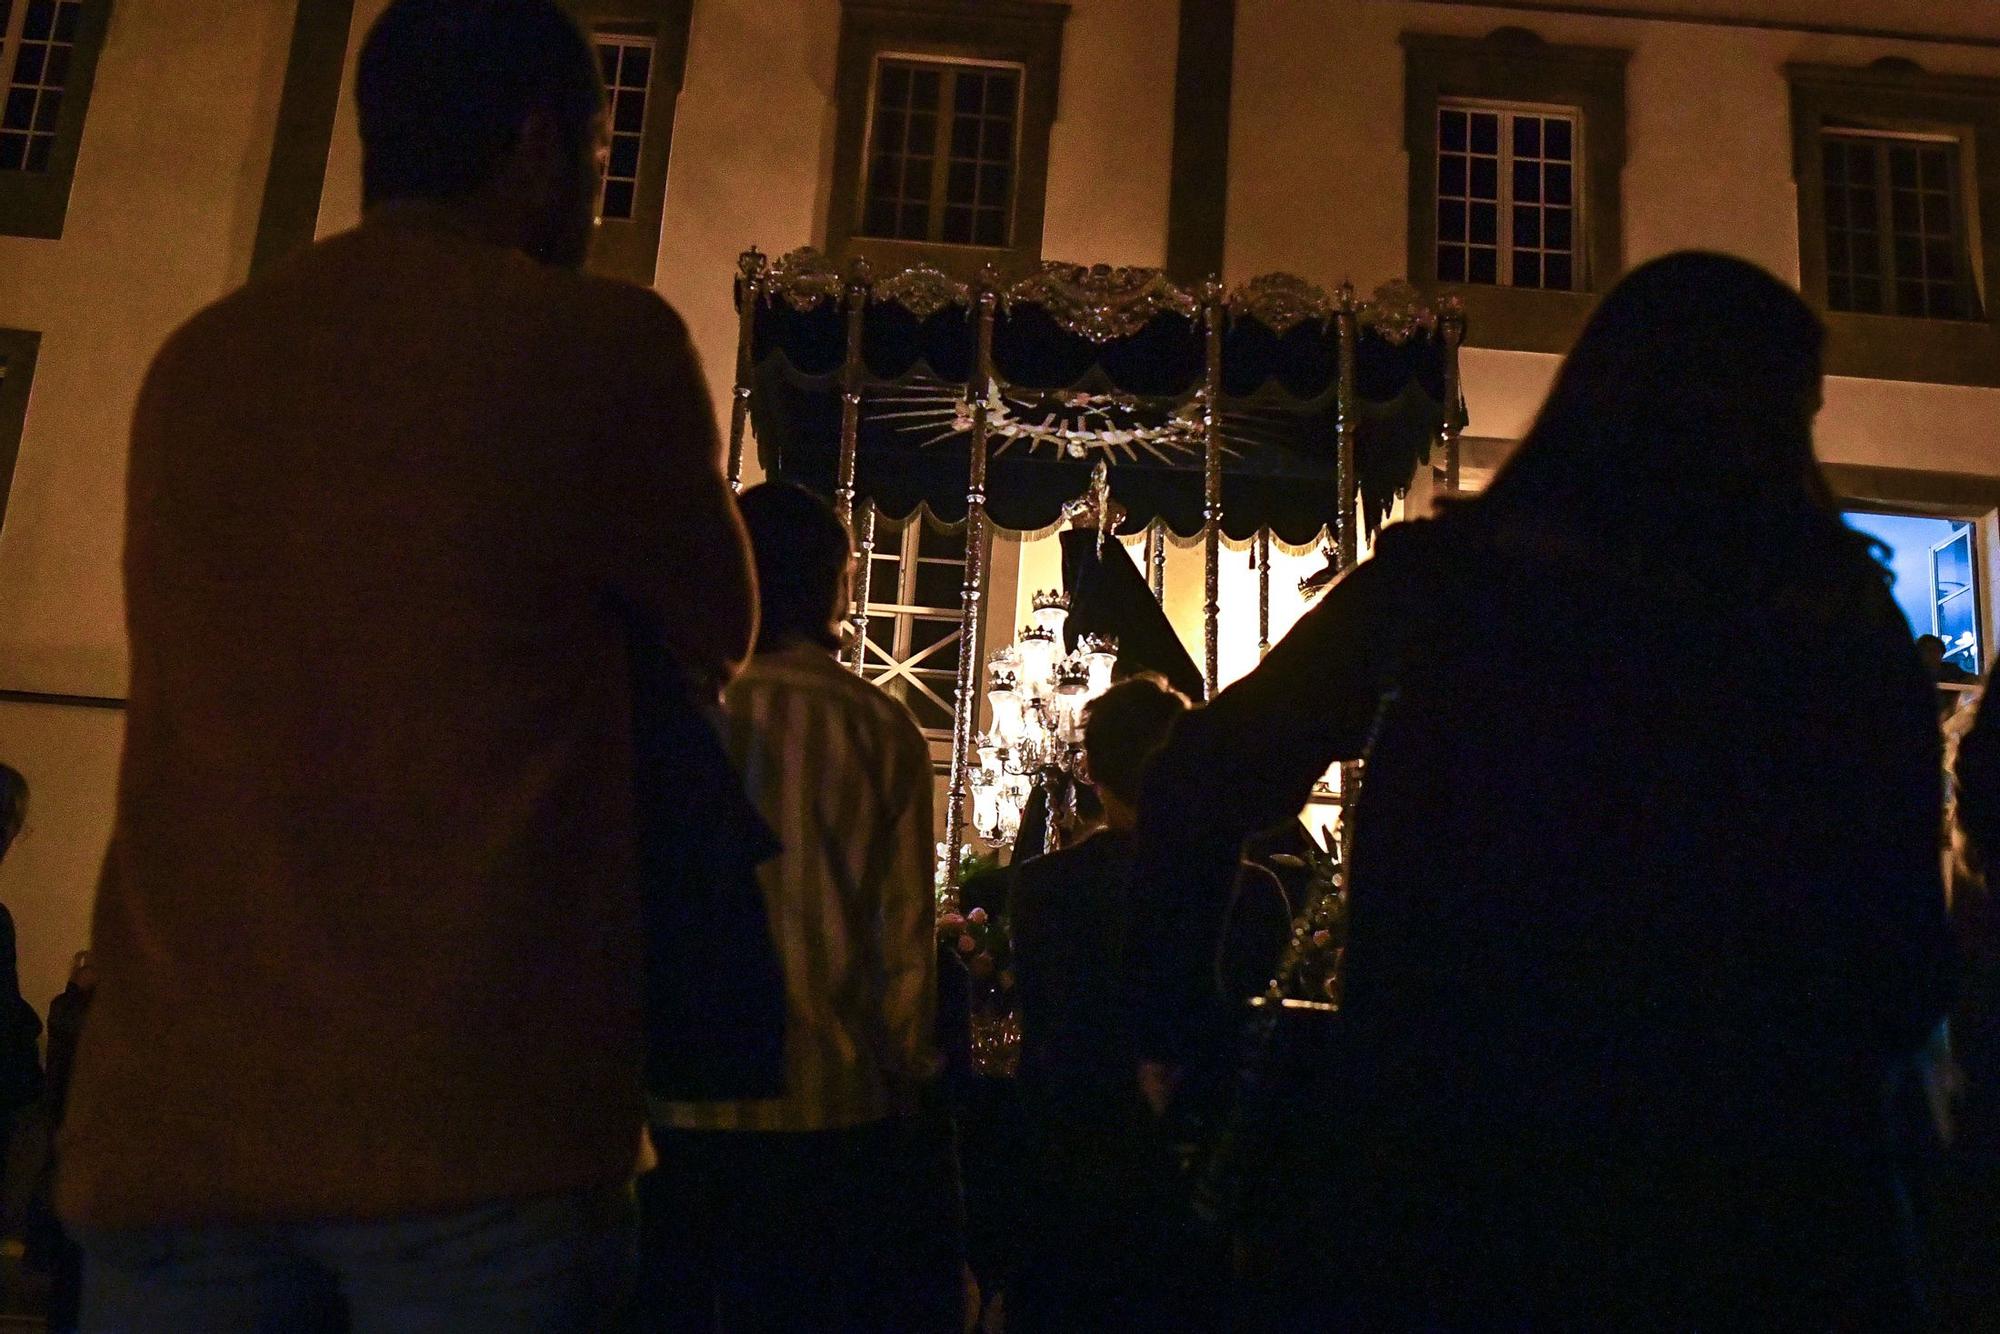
(367, 937)
(829, 1208)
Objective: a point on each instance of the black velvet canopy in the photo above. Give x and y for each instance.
(1090, 365)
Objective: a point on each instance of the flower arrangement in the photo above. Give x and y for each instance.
(982, 942)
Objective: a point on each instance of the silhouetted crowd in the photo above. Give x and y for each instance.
(499, 827)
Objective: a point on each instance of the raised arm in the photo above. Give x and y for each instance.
(1244, 763)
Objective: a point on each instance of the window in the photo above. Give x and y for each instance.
(960, 116)
(642, 54)
(1932, 564)
(1895, 169)
(48, 58)
(915, 597)
(944, 112)
(41, 34)
(1955, 599)
(628, 69)
(1506, 196)
(1516, 150)
(18, 349)
(1895, 233)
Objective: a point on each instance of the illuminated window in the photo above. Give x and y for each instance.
(628, 70)
(942, 146)
(915, 596)
(1933, 566)
(1507, 196)
(1895, 225)
(41, 38)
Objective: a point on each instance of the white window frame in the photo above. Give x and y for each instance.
(10, 59)
(902, 659)
(1579, 279)
(651, 47)
(941, 159)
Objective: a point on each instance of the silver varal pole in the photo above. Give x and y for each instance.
(750, 268)
(850, 392)
(864, 578)
(1348, 543)
(1211, 505)
(965, 711)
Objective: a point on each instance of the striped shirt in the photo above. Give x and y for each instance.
(840, 771)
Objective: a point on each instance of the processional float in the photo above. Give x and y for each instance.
(1274, 411)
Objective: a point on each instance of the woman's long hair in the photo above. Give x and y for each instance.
(1684, 416)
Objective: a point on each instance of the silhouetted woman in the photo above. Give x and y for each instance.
(1646, 896)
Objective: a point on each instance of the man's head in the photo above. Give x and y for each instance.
(496, 104)
(803, 554)
(13, 806)
(1930, 652)
(1122, 728)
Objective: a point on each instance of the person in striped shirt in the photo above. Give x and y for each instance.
(833, 1207)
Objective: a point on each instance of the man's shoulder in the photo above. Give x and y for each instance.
(836, 691)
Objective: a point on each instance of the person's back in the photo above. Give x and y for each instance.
(1069, 920)
(1640, 925)
(834, 1206)
(842, 774)
(368, 930)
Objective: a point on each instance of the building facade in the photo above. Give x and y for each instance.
(156, 153)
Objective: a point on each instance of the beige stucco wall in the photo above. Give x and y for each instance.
(172, 168)
(1318, 176)
(161, 220)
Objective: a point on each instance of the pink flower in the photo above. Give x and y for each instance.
(977, 916)
(966, 944)
(951, 921)
(1322, 939)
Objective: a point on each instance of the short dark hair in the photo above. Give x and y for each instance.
(801, 549)
(1124, 727)
(443, 87)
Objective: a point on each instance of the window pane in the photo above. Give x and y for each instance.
(624, 155)
(1451, 220)
(962, 184)
(1485, 132)
(1451, 263)
(1527, 268)
(1451, 130)
(638, 66)
(1527, 226)
(1485, 182)
(992, 228)
(1451, 176)
(958, 224)
(1528, 182)
(1527, 136)
(1559, 271)
(618, 196)
(1485, 224)
(40, 23)
(1484, 266)
(1556, 229)
(38, 153)
(1556, 184)
(1556, 140)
